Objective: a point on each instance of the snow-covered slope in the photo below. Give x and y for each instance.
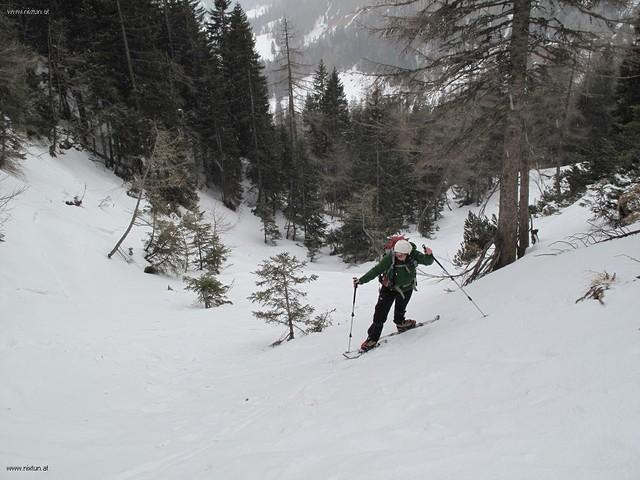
(107, 374)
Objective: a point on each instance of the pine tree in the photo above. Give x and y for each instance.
(166, 248)
(15, 62)
(279, 277)
(362, 234)
(211, 292)
(269, 227)
(248, 100)
(311, 206)
(202, 243)
(378, 162)
(314, 118)
(627, 112)
(479, 233)
(595, 102)
(336, 109)
(223, 162)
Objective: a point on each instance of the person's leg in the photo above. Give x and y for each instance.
(401, 306)
(385, 300)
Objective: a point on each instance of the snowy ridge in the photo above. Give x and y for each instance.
(108, 374)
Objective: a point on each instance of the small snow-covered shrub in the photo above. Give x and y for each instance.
(479, 232)
(209, 289)
(600, 283)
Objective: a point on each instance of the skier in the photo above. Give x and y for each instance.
(397, 271)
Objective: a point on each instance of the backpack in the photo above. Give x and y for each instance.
(387, 278)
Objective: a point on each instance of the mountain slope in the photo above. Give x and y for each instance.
(108, 374)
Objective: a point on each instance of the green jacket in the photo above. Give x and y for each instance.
(402, 275)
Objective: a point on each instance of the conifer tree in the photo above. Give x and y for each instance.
(223, 163)
(203, 245)
(279, 278)
(211, 292)
(166, 249)
(248, 100)
(627, 112)
(15, 61)
(313, 116)
(596, 98)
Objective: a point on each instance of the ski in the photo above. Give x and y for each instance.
(352, 355)
(418, 325)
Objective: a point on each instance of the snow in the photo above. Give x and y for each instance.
(319, 29)
(257, 12)
(266, 46)
(357, 84)
(107, 374)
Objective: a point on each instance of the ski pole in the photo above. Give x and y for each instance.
(353, 314)
(459, 286)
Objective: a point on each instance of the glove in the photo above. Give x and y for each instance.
(355, 281)
(427, 250)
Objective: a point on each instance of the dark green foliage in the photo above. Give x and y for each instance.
(204, 249)
(595, 103)
(279, 277)
(386, 186)
(314, 227)
(479, 232)
(166, 248)
(603, 199)
(627, 144)
(578, 178)
(190, 244)
(15, 63)
(209, 289)
(612, 113)
(314, 117)
(320, 322)
(627, 111)
(126, 66)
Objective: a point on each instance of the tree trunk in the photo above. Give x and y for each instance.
(289, 314)
(52, 106)
(378, 193)
(507, 235)
(3, 137)
(82, 111)
(563, 129)
(141, 188)
(254, 127)
(293, 134)
(523, 209)
(128, 56)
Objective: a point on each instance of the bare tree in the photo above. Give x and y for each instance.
(290, 69)
(471, 49)
(160, 172)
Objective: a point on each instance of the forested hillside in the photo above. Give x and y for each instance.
(169, 94)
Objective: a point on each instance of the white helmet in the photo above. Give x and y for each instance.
(402, 246)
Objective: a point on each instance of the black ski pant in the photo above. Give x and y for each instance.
(385, 300)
